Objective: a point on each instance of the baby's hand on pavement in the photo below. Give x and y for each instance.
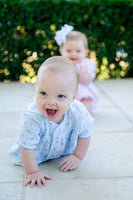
(36, 178)
(69, 163)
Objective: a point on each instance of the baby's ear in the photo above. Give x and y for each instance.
(75, 95)
(87, 51)
(60, 50)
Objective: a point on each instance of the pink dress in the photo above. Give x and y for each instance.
(88, 91)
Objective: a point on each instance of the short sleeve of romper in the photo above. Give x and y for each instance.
(29, 131)
(84, 120)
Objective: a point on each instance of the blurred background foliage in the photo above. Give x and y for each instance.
(27, 31)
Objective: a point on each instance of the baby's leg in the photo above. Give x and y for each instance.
(87, 104)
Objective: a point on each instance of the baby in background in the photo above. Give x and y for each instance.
(74, 45)
(54, 123)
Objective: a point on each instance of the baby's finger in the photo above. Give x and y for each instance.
(66, 167)
(73, 166)
(33, 183)
(47, 177)
(63, 162)
(27, 182)
(39, 184)
(43, 181)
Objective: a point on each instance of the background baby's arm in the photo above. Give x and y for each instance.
(84, 77)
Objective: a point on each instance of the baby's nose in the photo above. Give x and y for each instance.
(73, 53)
(51, 101)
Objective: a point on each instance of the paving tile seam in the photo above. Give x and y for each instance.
(11, 111)
(112, 132)
(72, 179)
(115, 104)
(10, 182)
(23, 192)
(95, 178)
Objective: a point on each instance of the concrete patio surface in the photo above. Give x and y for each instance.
(106, 173)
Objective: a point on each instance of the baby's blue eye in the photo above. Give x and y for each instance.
(61, 96)
(43, 93)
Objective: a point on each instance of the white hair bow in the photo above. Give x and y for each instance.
(62, 34)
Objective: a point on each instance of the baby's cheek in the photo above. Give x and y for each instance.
(38, 103)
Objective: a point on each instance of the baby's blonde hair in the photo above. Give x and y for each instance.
(76, 35)
(59, 64)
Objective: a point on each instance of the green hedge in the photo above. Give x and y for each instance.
(27, 30)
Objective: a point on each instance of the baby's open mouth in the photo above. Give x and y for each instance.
(73, 59)
(51, 112)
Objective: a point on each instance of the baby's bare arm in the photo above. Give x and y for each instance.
(81, 148)
(31, 168)
(84, 77)
(29, 161)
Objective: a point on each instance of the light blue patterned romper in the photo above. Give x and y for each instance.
(48, 139)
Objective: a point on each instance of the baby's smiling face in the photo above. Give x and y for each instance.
(74, 50)
(55, 91)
